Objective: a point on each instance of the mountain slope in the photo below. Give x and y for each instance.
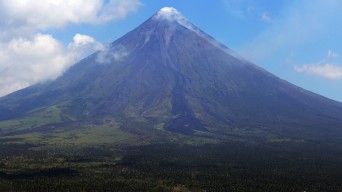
(169, 75)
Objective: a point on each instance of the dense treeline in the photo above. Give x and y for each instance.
(171, 167)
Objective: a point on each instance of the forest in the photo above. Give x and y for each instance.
(234, 166)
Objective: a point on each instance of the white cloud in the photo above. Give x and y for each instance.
(44, 14)
(82, 46)
(27, 61)
(326, 68)
(24, 62)
(80, 40)
(28, 56)
(328, 71)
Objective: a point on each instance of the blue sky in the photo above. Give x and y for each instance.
(298, 40)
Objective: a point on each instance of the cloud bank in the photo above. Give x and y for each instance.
(29, 55)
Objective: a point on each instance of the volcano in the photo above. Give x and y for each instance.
(170, 77)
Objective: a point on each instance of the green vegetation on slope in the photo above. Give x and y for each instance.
(36, 119)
